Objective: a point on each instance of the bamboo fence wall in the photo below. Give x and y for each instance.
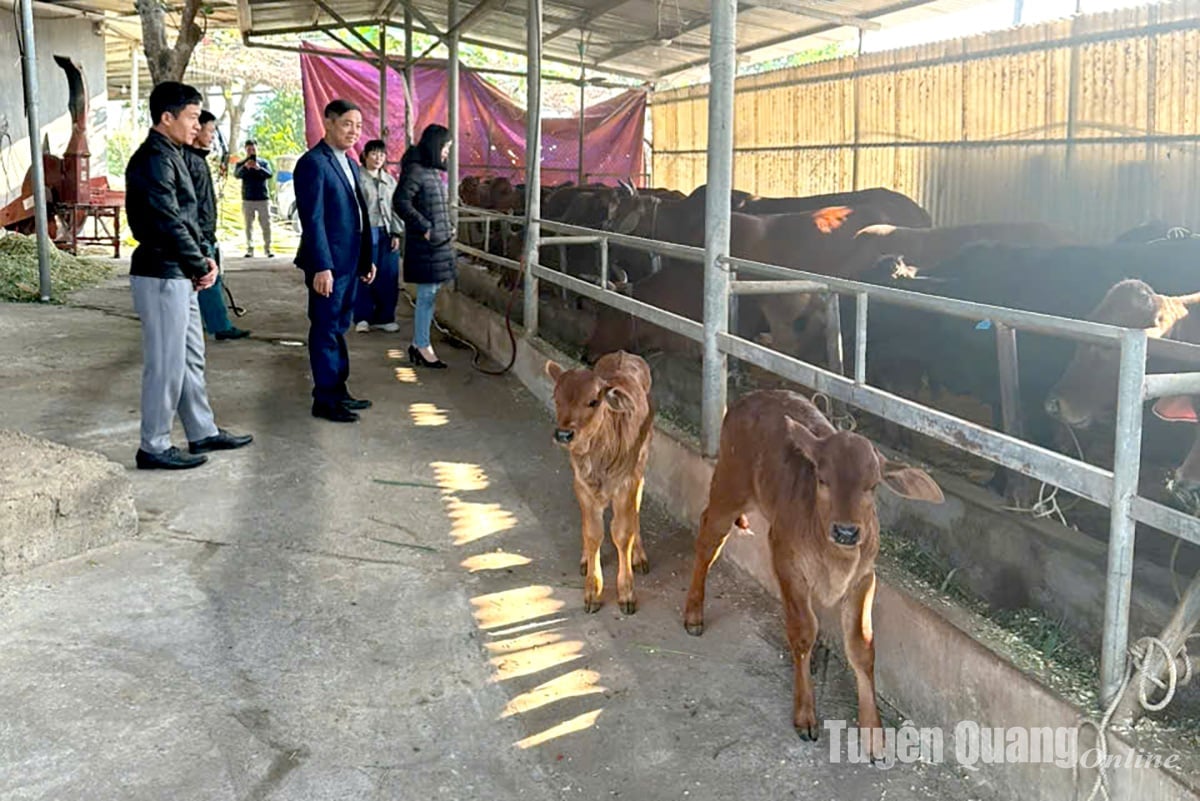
(1091, 122)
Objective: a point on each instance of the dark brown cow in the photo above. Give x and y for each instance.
(816, 487)
(816, 241)
(1087, 392)
(605, 421)
(898, 208)
(913, 249)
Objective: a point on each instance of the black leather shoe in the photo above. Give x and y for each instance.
(170, 459)
(355, 404)
(223, 441)
(417, 359)
(232, 333)
(334, 413)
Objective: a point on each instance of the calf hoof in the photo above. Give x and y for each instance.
(642, 567)
(592, 607)
(808, 732)
(628, 607)
(695, 628)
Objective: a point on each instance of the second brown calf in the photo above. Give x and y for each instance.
(605, 421)
(816, 487)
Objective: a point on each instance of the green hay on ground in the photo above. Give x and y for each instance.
(19, 271)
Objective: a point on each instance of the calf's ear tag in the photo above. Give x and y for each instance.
(983, 325)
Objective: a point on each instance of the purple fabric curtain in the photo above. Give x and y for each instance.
(491, 126)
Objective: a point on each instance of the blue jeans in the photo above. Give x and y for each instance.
(423, 317)
(212, 303)
(376, 303)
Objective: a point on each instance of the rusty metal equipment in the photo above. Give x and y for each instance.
(73, 195)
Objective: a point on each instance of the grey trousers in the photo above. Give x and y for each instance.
(263, 209)
(172, 361)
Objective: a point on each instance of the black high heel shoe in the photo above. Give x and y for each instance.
(418, 360)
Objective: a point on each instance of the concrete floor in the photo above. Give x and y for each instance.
(390, 610)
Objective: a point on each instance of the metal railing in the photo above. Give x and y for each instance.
(1116, 489)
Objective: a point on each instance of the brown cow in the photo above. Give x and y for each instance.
(605, 421)
(816, 487)
(910, 249)
(816, 241)
(1087, 392)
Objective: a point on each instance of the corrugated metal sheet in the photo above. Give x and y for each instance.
(1093, 123)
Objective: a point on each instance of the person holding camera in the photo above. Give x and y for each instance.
(255, 174)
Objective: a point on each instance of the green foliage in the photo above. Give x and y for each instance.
(279, 125)
(120, 148)
(829, 51)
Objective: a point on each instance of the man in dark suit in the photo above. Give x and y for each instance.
(335, 254)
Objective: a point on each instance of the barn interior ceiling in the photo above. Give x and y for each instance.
(644, 40)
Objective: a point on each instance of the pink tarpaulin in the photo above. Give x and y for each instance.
(491, 125)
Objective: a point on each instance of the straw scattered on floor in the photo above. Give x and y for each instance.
(19, 271)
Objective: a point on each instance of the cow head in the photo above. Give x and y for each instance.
(582, 402)
(468, 191)
(848, 469)
(634, 216)
(1087, 391)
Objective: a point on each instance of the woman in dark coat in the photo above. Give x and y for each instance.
(429, 259)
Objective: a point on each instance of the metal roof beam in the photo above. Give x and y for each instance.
(624, 50)
(903, 5)
(385, 8)
(606, 7)
(347, 26)
(420, 17)
(569, 62)
(806, 9)
(481, 10)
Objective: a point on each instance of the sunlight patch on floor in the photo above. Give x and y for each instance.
(523, 623)
(576, 724)
(531, 661)
(575, 684)
(496, 560)
(511, 607)
(459, 476)
(474, 521)
(427, 414)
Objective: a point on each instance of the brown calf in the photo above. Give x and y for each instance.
(605, 420)
(816, 488)
(1087, 392)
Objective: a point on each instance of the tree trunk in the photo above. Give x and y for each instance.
(168, 63)
(235, 111)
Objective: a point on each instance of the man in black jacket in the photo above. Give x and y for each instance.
(167, 268)
(255, 174)
(212, 300)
